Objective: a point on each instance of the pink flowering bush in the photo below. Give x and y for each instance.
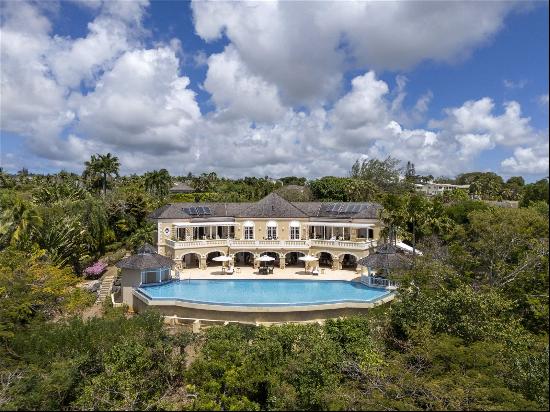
(96, 269)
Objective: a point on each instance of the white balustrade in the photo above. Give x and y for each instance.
(284, 244)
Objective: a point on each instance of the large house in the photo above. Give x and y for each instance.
(337, 233)
(432, 189)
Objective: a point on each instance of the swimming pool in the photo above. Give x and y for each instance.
(265, 292)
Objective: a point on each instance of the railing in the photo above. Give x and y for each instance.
(286, 244)
(375, 281)
(343, 244)
(181, 244)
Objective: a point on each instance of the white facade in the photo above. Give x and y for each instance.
(432, 189)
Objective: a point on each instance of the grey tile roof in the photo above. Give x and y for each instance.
(272, 205)
(386, 257)
(145, 258)
(315, 209)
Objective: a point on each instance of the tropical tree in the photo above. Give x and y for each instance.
(64, 241)
(383, 173)
(534, 192)
(144, 234)
(330, 188)
(101, 167)
(158, 182)
(18, 221)
(31, 287)
(94, 216)
(506, 243)
(58, 192)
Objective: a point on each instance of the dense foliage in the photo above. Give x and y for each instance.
(469, 329)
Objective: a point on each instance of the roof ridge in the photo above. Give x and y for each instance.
(268, 198)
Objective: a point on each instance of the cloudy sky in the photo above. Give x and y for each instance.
(275, 88)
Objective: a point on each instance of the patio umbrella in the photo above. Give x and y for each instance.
(266, 258)
(308, 259)
(222, 259)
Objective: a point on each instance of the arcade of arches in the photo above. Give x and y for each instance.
(344, 261)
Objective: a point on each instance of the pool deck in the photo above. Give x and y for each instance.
(287, 273)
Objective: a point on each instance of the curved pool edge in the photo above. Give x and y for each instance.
(202, 311)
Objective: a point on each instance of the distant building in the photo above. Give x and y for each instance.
(514, 204)
(432, 189)
(181, 187)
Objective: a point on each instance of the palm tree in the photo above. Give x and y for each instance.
(102, 166)
(17, 222)
(158, 182)
(144, 234)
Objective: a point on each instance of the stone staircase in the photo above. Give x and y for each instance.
(106, 284)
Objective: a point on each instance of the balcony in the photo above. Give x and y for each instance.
(272, 244)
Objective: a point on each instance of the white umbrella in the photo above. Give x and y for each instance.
(266, 258)
(308, 258)
(222, 259)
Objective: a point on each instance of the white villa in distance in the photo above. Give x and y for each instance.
(339, 234)
(432, 189)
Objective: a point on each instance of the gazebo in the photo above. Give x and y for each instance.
(386, 258)
(145, 267)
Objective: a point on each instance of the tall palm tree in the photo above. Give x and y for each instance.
(158, 182)
(102, 166)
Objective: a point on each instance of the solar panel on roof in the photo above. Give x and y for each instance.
(357, 208)
(207, 210)
(200, 211)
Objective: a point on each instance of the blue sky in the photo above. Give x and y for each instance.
(276, 89)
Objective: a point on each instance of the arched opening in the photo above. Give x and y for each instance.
(325, 259)
(291, 260)
(244, 259)
(190, 260)
(348, 261)
(210, 256)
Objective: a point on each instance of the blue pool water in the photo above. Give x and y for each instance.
(244, 292)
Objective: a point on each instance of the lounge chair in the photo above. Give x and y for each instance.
(230, 270)
(315, 271)
(270, 270)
